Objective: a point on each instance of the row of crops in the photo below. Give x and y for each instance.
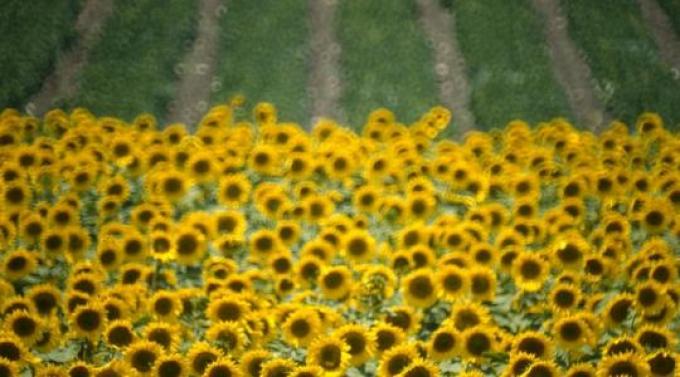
(264, 53)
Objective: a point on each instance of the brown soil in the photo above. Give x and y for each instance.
(62, 83)
(195, 84)
(324, 82)
(570, 68)
(454, 89)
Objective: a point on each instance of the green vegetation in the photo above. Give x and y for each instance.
(33, 34)
(508, 64)
(672, 9)
(131, 69)
(264, 54)
(385, 60)
(624, 59)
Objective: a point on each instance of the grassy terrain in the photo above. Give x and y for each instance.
(385, 60)
(672, 9)
(508, 63)
(624, 58)
(264, 55)
(33, 33)
(131, 69)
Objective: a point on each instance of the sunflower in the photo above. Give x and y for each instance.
(263, 243)
(571, 333)
(80, 369)
(88, 283)
(482, 283)
(465, 315)
(649, 297)
(564, 298)
(573, 187)
(299, 165)
(134, 246)
(165, 305)
(331, 354)
(170, 365)
(229, 336)
(24, 325)
(529, 271)
(663, 272)
(318, 207)
(16, 195)
(119, 333)
(164, 334)
(45, 297)
(264, 159)
(190, 245)
(360, 340)
(386, 336)
(335, 282)
(288, 232)
(663, 363)
(12, 349)
(623, 364)
(53, 242)
(18, 264)
(397, 359)
(252, 362)
(88, 321)
(518, 364)
(223, 366)
(78, 242)
(171, 184)
(339, 165)
(277, 367)
(307, 371)
(533, 343)
(229, 222)
(655, 216)
(359, 246)
(477, 341)
(32, 227)
(228, 307)
(444, 343)
(542, 368)
(142, 355)
(570, 251)
(622, 344)
(234, 190)
(419, 288)
(301, 327)
(655, 338)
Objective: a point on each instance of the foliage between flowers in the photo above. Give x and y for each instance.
(252, 247)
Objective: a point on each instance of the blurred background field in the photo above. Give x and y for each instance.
(381, 56)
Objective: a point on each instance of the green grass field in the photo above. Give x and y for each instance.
(264, 54)
(624, 59)
(384, 63)
(131, 69)
(386, 60)
(32, 36)
(508, 65)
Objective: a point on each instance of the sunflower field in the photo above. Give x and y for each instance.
(252, 247)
